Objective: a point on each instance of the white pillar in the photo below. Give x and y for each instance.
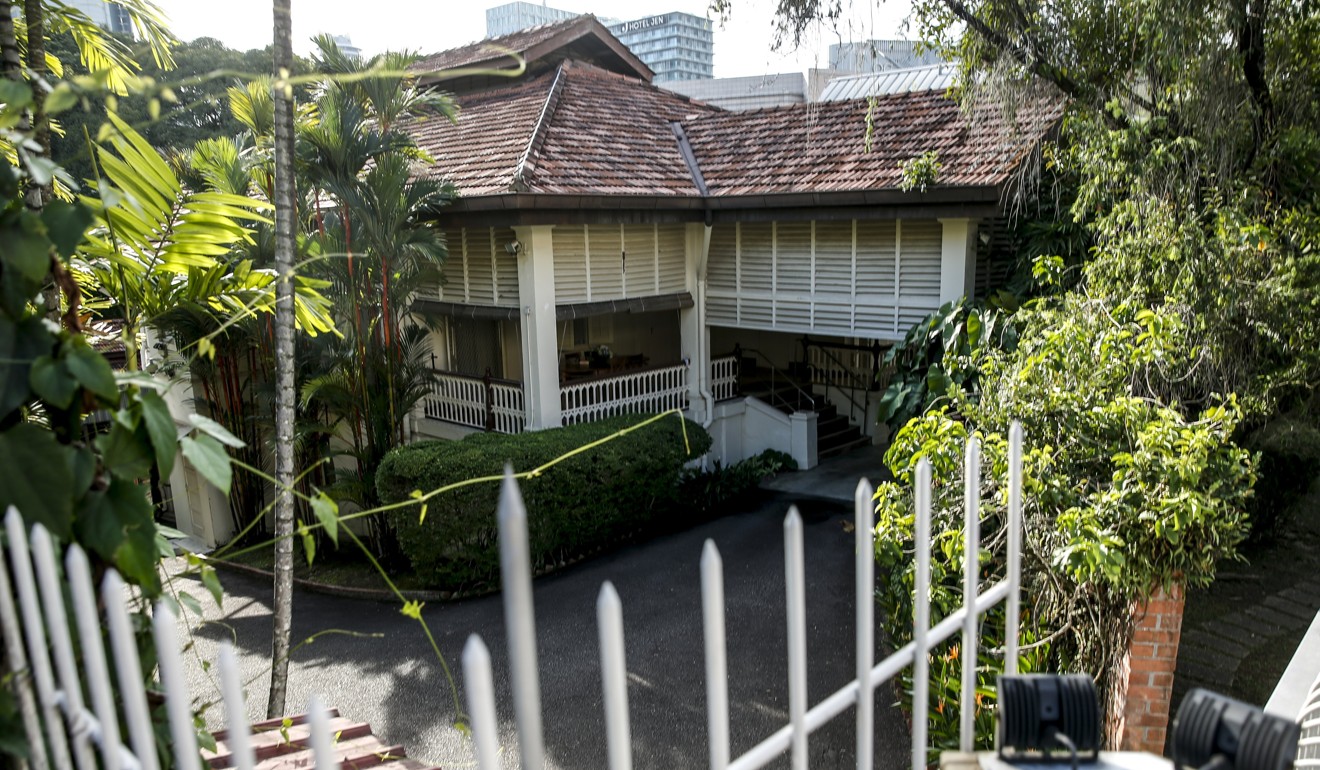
(540, 344)
(803, 439)
(694, 335)
(958, 259)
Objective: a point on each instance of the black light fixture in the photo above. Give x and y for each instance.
(1048, 718)
(1216, 732)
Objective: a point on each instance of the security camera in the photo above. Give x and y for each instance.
(513, 247)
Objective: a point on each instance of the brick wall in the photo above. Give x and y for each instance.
(1148, 674)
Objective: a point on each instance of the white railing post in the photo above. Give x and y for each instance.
(123, 646)
(864, 533)
(231, 690)
(921, 616)
(9, 626)
(1011, 611)
(177, 704)
(795, 589)
(52, 600)
(520, 622)
(480, 686)
(79, 577)
(614, 676)
(717, 676)
(322, 749)
(34, 629)
(971, 574)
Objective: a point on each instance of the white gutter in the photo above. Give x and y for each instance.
(703, 334)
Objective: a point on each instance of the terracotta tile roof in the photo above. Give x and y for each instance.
(487, 51)
(576, 130)
(480, 153)
(821, 147)
(583, 38)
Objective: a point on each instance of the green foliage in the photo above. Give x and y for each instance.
(934, 358)
(920, 172)
(1122, 493)
(712, 491)
(589, 501)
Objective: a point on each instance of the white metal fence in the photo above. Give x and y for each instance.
(724, 377)
(658, 389)
(477, 402)
(77, 733)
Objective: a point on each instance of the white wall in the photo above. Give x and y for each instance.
(746, 427)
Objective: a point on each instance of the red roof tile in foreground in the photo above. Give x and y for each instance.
(276, 749)
(576, 130)
(822, 146)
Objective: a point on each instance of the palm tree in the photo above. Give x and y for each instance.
(285, 247)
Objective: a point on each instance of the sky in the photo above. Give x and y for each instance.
(742, 46)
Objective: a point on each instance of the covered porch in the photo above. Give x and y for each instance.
(613, 358)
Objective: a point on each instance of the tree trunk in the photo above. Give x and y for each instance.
(37, 195)
(285, 216)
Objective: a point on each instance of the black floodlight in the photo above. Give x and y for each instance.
(1215, 732)
(1048, 718)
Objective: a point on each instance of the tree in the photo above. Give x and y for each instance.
(285, 246)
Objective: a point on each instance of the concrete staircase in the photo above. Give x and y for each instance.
(789, 394)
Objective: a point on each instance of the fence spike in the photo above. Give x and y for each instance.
(480, 688)
(864, 534)
(231, 689)
(795, 586)
(52, 602)
(614, 673)
(123, 647)
(89, 634)
(178, 705)
(13, 641)
(921, 616)
(1012, 606)
(971, 574)
(519, 619)
(717, 668)
(323, 750)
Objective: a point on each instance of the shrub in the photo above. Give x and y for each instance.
(1122, 492)
(706, 492)
(586, 502)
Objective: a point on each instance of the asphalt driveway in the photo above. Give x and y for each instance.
(376, 666)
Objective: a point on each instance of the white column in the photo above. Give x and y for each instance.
(694, 336)
(958, 259)
(540, 348)
(803, 439)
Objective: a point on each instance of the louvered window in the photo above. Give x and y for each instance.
(870, 279)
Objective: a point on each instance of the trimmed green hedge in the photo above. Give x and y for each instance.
(586, 502)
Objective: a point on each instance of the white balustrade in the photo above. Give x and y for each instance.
(643, 391)
(724, 377)
(464, 400)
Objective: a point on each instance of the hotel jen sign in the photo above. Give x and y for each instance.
(640, 24)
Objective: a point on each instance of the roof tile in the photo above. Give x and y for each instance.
(822, 147)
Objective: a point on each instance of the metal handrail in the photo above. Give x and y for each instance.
(852, 389)
(775, 370)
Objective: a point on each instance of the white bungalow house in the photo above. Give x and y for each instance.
(616, 243)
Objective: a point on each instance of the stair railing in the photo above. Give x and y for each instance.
(776, 375)
(865, 377)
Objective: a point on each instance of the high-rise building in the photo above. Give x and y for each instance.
(880, 55)
(105, 14)
(346, 46)
(676, 46)
(511, 17)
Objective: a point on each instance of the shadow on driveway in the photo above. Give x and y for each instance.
(395, 682)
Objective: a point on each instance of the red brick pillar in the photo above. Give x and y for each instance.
(1148, 674)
